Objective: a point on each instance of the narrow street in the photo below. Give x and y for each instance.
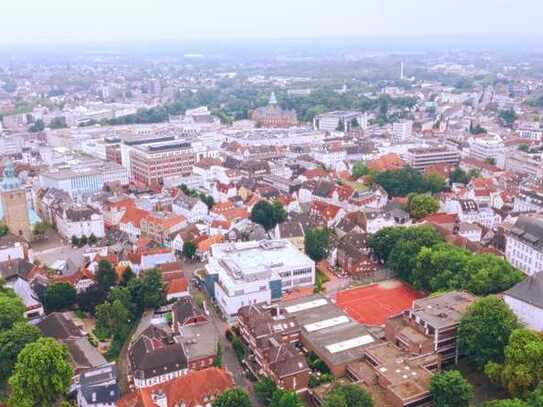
(230, 359)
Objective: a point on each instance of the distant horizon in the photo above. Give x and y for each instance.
(65, 22)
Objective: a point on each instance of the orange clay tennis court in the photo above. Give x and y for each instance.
(374, 304)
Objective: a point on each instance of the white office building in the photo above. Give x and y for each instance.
(488, 147)
(257, 272)
(331, 121)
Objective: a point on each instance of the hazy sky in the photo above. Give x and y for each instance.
(35, 21)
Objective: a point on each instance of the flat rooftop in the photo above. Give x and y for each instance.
(443, 310)
(328, 330)
(244, 260)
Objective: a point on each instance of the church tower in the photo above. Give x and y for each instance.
(14, 203)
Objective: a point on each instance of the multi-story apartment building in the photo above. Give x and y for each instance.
(151, 163)
(431, 325)
(271, 338)
(520, 162)
(402, 130)
(524, 244)
(528, 201)
(488, 147)
(347, 120)
(254, 272)
(532, 133)
(424, 157)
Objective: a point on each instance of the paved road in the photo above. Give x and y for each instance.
(230, 360)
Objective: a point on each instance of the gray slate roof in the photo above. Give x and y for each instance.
(529, 290)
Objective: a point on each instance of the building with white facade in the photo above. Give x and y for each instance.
(347, 120)
(526, 301)
(402, 130)
(520, 162)
(257, 272)
(74, 182)
(423, 157)
(79, 220)
(524, 244)
(528, 201)
(488, 147)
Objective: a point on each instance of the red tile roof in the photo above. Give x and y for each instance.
(193, 389)
(325, 210)
(389, 161)
(177, 285)
(134, 216)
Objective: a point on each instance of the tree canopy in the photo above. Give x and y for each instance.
(447, 267)
(450, 389)
(12, 341)
(106, 276)
(189, 249)
(407, 180)
(316, 243)
(59, 296)
(484, 331)
(348, 395)
(42, 374)
(360, 169)
(235, 397)
(12, 309)
(420, 205)
(268, 215)
(522, 369)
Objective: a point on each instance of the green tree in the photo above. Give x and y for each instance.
(524, 147)
(348, 395)
(218, 357)
(316, 243)
(360, 169)
(420, 205)
(506, 403)
(3, 228)
(508, 117)
(12, 310)
(59, 296)
(12, 341)
(189, 249)
(403, 256)
(435, 183)
(340, 126)
(75, 241)
(42, 374)
(106, 276)
(88, 300)
(268, 215)
(536, 398)
(92, 239)
(522, 369)
(127, 275)
(40, 228)
(153, 289)
(490, 160)
(58, 123)
(485, 329)
(384, 241)
(235, 397)
(450, 389)
(265, 389)
(459, 175)
(284, 398)
(37, 126)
